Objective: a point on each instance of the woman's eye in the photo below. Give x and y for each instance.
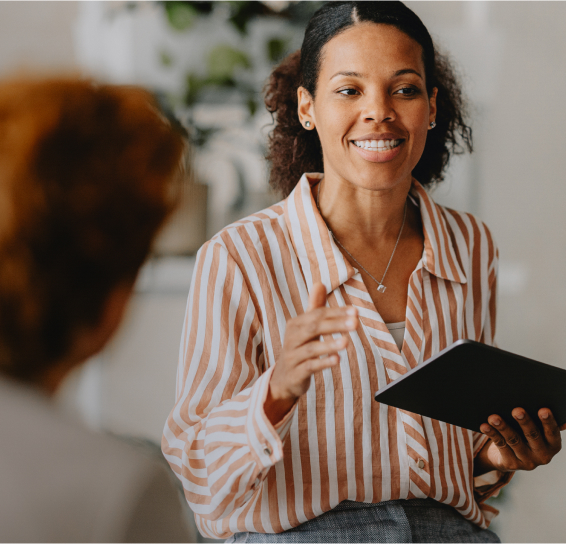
(348, 92)
(407, 91)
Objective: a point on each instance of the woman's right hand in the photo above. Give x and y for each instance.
(303, 351)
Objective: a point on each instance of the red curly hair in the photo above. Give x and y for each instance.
(86, 178)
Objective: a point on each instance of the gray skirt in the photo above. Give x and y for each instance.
(414, 520)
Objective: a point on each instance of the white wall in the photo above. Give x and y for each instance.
(37, 35)
(523, 199)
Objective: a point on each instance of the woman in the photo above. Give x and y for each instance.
(299, 313)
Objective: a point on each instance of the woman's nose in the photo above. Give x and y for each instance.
(379, 109)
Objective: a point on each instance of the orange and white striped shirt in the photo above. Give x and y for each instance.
(239, 472)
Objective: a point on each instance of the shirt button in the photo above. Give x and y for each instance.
(421, 463)
(267, 450)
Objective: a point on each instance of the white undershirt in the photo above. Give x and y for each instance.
(397, 330)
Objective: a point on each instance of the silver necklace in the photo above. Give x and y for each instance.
(380, 287)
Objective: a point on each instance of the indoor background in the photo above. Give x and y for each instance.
(208, 64)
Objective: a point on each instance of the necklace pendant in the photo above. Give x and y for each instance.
(381, 288)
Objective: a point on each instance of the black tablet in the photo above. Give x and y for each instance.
(467, 382)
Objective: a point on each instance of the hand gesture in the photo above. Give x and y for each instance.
(304, 353)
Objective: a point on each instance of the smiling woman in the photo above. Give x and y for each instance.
(387, 89)
(299, 313)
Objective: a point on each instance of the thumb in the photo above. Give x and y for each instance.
(317, 297)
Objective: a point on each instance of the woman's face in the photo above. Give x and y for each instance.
(371, 109)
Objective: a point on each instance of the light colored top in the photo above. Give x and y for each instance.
(242, 474)
(64, 483)
(397, 331)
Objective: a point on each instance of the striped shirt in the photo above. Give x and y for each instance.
(239, 472)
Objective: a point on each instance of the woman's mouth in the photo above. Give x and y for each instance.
(378, 150)
(377, 145)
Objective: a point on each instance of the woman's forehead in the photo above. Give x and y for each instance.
(368, 48)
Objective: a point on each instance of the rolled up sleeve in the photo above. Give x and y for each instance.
(217, 438)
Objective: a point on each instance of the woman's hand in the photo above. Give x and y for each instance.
(303, 351)
(508, 450)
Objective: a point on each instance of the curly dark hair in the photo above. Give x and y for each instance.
(293, 150)
(88, 174)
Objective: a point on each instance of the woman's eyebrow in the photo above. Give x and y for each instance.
(347, 74)
(396, 74)
(406, 71)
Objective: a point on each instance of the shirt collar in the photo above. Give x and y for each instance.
(439, 256)
(321, 259)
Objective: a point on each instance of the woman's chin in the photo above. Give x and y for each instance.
(378, 176)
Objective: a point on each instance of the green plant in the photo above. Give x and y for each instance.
(230, 71)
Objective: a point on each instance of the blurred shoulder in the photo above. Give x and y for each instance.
(62, 481)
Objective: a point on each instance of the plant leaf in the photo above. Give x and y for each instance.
(181, 15)
(276, 49)
(223, 60)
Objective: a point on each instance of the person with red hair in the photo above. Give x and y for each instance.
(87, 177)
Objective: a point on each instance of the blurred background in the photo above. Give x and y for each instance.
(208, 62)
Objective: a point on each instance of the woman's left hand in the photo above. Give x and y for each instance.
(508, 450)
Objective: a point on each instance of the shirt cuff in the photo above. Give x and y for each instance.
(480, 441)
(489, 478)
(264, 439)
(489, 484)
(484, 492)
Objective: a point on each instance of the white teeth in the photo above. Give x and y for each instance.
(377, 145)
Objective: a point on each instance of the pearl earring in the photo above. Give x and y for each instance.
(308, 124)
(433, 124)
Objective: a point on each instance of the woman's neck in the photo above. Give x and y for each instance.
(358, 216)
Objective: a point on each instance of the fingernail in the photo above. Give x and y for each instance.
(496, 421)
(520, 415)
(544, 415)
(351, 323)
(351, 311)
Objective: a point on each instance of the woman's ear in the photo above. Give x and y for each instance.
(305, 108)
(432, 105)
